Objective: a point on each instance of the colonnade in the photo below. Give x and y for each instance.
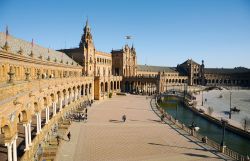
(112, 86)
(141, 87)
(12, 150)
(58, 101)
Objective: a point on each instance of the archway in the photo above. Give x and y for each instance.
(106, 86)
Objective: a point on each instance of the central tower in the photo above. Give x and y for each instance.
(88, 48)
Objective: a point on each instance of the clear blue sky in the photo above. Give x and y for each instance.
(165, 32)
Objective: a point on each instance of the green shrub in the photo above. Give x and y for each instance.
(110, 95)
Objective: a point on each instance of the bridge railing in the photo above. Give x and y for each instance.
(179, 93)
(227, 151)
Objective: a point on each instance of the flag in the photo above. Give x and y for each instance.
(128, 37)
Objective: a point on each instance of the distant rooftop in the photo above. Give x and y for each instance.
(150, 68)
(189, 61)
(117, 51)
(16, 44)
(103, 53)
(227, 70)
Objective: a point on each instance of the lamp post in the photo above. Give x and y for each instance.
(230, 110)
(194, 128)
(202, 98)
(222, 144)
(176, 111)
(185, 89)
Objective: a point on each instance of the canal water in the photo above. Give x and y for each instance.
(211, 130)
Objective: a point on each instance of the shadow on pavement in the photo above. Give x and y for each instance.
(199, 155)
(181, 147)
(159, 121)
(115, 121)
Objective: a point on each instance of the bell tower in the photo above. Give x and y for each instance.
(134, 61)
(202, 73)
(88, 48)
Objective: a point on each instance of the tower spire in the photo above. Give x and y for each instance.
(87, 21)
(132, 46)
(87, 36)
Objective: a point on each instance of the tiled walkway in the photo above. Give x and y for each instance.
(142, 137)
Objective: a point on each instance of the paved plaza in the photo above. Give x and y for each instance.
(142, 137)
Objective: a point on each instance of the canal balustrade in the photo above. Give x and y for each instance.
(170, 121)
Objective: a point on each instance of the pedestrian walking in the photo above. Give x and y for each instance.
(69, 135)
(57, 139)
(162, 117)
(124, 118)
(86, 116)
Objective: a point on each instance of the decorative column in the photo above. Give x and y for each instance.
(60, 103)
(26, 137)
(79, 94)
(47, 114)
(14, 149)
(68, 98)
(9, 147)
(54, 108)
(64, 99)
(87, 92)
(40, 122)
(37, 124)
(75, 95)
(29, 133)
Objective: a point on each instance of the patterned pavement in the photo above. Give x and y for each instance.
(142, 137)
